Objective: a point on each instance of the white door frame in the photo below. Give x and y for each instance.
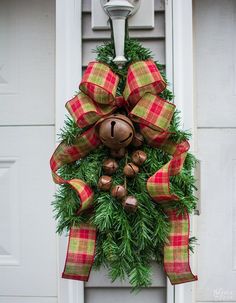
(179, 67)
(68, 75)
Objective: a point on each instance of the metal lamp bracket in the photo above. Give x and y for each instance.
(142, 16)
(135, 3)
(118, 11)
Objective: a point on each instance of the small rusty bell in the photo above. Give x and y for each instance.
(109, 166)
(139, 157)
(130, 170)
(130, 203)
(138, 140)
(118, 192)
(116, 131)
(104, 183)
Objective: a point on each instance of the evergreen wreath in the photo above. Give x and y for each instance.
(126, 242)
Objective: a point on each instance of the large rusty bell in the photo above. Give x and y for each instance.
(116, 131)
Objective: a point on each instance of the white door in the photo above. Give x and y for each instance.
(27, 231)
(215, 65)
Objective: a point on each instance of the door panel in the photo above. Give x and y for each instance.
(26, 62)
(27, 238)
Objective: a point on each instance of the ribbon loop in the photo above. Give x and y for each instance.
(99, 83)
(153, 111)
(98, 96)
(85, 111)
(143, 77)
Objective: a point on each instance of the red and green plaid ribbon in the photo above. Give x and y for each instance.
(99, 83)
(97, 100)
(176, 250)
(143, 77)
(158, 185)
(80, 252)
(153, 111)
(97, 97)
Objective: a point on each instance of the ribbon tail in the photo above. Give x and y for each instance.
(82, 239)
(80, 252)
(176, 250)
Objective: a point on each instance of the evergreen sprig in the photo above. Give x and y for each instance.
(126, 242)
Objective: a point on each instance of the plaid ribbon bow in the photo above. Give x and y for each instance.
(96, 100)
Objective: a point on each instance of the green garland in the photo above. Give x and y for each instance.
(126, 242)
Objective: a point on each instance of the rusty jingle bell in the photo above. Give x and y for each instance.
(138, 140)
(116, 131)
(139, 157)
(105, 183)
(118, 192)
(109, 166)
(130, 170)
(130, 203)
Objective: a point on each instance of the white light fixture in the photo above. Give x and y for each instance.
(118, 11)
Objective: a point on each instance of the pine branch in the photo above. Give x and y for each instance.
(70, 131)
